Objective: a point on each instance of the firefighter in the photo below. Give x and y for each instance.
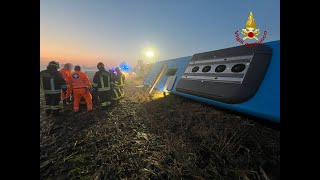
(120, 81)
(66, 73)
(115, 91)
(81, 87)
(102, 83)
(51, 82)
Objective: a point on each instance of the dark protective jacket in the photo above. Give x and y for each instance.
(51, 81)
(120, 79)
(102, 80)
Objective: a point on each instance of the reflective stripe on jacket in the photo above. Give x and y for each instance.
(51, 81)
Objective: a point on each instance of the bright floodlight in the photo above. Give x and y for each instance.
(149, 54)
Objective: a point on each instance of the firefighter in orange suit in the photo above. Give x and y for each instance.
(66, 73)
(81, 87)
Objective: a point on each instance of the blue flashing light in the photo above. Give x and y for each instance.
(124, 68)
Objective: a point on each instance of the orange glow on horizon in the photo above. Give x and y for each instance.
(79, 61)
(79, 58)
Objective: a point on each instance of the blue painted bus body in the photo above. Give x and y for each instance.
(264, 104)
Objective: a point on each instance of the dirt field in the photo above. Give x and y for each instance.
(156, 138)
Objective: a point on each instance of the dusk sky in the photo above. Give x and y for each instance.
(88, 31)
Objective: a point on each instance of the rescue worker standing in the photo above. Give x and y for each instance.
(102, 83)
(51, 82)
(115, 90)
(120, 81)
(81, 87)
(66, 73)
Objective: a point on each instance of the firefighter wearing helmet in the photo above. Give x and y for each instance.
(120, 81)
(102, 83)
(52, 82)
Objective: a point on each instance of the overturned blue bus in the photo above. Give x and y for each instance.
(243, 79)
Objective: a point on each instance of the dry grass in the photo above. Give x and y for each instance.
(164, 138)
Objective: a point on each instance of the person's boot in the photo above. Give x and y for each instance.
(89, 111)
